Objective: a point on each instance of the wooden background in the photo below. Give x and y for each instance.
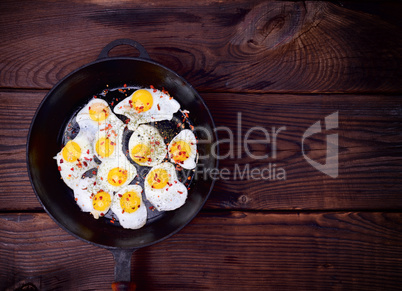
(278, 64)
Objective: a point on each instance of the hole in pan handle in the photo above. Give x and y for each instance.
(123, 41)
(122, 270)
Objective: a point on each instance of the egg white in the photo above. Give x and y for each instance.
(134, 220)
(149, 136)
(189, 137)
(163, 108)
(172, 196)
(84, 192)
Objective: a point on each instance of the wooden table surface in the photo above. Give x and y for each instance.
(270, 64)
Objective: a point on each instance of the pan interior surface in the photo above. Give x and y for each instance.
(46, 139)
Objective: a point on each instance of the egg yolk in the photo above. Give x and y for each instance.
(141, 100)
(140, 153)
(130, 202)
(117, 176)
(180, 151)
(158, 178)
(104, 147)
(102, 201)
(71, 152)
(98, 112)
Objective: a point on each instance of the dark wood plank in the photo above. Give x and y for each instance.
(233, 250)
(370, 153)
(258, 46)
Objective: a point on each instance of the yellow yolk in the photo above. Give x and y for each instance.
(101, 201)
(117, 176)
(140, 153)
(130, 202)
(141, 100)
(158, 178)
(98, 112)
(104, 147)
(180, 151)
(71, 152)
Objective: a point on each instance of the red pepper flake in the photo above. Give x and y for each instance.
(180, 192)
(120, 195)
(152, 87)
(112, 221)
(170, 98)
(85, 164)
(94, 172)
(179, 124)
(59, 168)
(159, 108)
(127, 121)
(125, 85)
(61, 161)
(189, 178)
(88, 152)
(72, 169)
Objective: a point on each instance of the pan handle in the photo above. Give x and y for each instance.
(122, 270)
(123, 41)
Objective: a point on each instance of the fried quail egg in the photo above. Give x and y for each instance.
(75, 158)
(101, 202)
(95, 116)
(91, 198)
(147, 105)
(163, 189)
(115, 173)
(129, 208)
(108, 143)
(183, 149)
(146, 146)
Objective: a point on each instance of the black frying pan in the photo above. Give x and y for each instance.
(45, 139)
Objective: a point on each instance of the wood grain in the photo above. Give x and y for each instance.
(370, 152)
(241, 46)
(307, 251)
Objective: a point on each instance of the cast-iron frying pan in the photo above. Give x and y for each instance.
(45, 140)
